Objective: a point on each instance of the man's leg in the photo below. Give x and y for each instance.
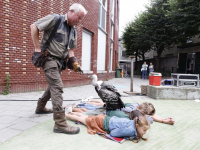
(56, 90)
(142, 74)
(145, 74)
(41, 109)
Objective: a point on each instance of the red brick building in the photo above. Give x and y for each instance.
(97, 49)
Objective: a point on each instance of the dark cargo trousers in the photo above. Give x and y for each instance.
(55, 88)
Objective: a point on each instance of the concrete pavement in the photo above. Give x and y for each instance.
(17, 109)
(20, 128)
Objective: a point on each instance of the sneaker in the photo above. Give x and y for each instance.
(68, 109)
(87, 99)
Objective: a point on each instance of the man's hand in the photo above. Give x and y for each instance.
(73, 65)
(37, 50)
(77, 68)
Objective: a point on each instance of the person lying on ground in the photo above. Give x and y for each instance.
(129, 107)
(115, 126)
(142, 109)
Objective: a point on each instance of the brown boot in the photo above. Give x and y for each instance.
(41, 109)
(61, 125)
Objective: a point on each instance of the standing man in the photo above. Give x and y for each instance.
(144, 70)
(52, 67)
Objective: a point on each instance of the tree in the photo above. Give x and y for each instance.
(134, 39)
(162, 35)
(186, 20)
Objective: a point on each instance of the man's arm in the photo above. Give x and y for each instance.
(70, 53)
(72, 62)
(35, 37)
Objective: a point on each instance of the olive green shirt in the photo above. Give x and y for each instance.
(62, 36)
(106, 124)
(110, 114)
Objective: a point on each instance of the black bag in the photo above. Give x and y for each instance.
(63, 64)
(38, 58)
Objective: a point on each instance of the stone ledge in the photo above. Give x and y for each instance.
(173, 93)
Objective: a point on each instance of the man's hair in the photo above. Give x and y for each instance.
(77, 7)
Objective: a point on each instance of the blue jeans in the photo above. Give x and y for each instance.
(88, 106)
(144, 72)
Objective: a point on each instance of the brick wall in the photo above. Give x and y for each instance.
(16, 46)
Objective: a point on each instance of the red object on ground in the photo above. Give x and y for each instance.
(155, 79)
(150, 80)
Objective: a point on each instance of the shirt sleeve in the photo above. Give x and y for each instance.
(132, 107)
(126, 109)
(45, 23)
(150, 119)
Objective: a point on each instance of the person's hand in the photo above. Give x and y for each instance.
(37, 50)
(77, 68)
(168, 120)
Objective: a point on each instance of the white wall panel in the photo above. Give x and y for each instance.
(101, 55)
(86, 50)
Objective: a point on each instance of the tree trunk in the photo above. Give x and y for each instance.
(158, 62)
(143, 57)
(159, 52)
(136, 55)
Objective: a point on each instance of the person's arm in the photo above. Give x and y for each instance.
(142, 67)
(45, 23)
(35, 37)
(163, 120)
(70, 53)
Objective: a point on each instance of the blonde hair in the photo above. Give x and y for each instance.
(153, 109)
(141, 121)
(144, 108)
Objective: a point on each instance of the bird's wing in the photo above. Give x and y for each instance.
(110, 88)
(107, 95)
(111, 99)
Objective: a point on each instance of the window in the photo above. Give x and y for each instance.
(102, 14)
(101, 55)
(111, 56)
(124, 54)
(113, 10)
(86, 50)
(112, 31)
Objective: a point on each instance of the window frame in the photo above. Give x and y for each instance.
(102, 9)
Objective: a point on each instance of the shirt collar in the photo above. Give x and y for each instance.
(66, 20)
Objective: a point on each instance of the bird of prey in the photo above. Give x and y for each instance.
(108, 93)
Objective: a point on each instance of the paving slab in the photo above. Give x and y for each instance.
(184, 134)
(37, 130)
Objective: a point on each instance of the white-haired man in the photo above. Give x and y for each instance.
(60, 47)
